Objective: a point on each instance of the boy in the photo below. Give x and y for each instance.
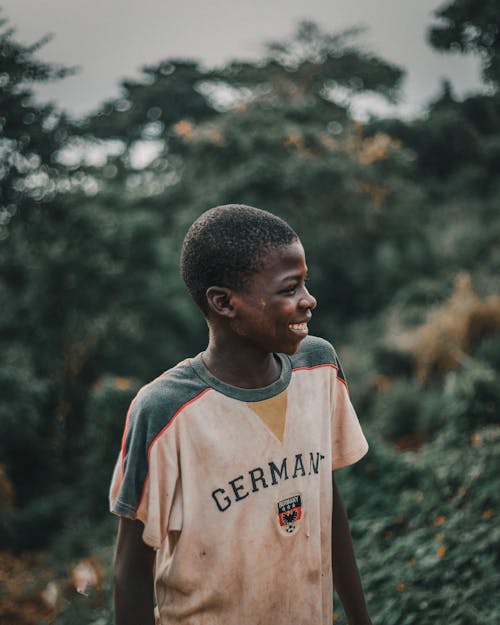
(224, 482)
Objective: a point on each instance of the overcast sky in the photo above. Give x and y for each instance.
(111, 39)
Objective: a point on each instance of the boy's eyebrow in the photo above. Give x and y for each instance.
(295, 276)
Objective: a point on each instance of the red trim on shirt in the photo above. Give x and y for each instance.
(175, 415)
(124, 439)
(127, 420)
(178, 411)
(323, 365)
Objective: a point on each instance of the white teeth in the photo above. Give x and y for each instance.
(298, 326)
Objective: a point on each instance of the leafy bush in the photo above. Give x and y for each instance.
(472, 395)
(433, 556)
(396, 409)
(104, 424)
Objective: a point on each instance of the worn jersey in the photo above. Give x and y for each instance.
(234, 489)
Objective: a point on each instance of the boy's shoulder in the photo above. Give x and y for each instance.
(314, 351)
(164, 396)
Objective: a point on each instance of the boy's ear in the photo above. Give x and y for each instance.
(219, 300)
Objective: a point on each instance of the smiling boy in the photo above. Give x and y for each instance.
(224, 483)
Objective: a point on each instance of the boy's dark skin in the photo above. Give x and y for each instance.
(246, 328)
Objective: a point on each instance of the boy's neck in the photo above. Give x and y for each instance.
(245, 368)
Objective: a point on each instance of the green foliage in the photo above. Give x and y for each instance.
(22, 394)
(313, 62)
(389, 213)
(30, 133)
(397, 409)
(467, 26)
(104, 423)
(165, 93)
(473, 395)
(430, 546)
(81, 277)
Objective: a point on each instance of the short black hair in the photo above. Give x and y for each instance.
(226, 245)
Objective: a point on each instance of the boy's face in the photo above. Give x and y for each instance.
(272, 311)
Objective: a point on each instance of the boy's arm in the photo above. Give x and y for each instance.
(346, 578)
(133, 576)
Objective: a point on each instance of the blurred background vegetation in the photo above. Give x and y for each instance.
(401, 222)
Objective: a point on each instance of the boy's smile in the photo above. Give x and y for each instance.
(272, 312)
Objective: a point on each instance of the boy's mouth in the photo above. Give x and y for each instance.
(299, 328)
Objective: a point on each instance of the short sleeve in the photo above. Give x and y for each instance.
(145, 479)
(348, 441)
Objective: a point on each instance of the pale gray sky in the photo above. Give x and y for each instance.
(111, 39)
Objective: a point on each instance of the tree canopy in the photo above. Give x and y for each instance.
(470, 26)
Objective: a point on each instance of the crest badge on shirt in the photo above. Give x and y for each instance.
(289, 513)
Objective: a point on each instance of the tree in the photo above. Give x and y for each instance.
(275, 133)
(471, 26)
(84, 281)
(30, 134)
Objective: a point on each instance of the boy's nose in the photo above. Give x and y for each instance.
(308, 301)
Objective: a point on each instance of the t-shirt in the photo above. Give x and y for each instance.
(234, 488)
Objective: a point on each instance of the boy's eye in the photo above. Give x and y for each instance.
(292, 289)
